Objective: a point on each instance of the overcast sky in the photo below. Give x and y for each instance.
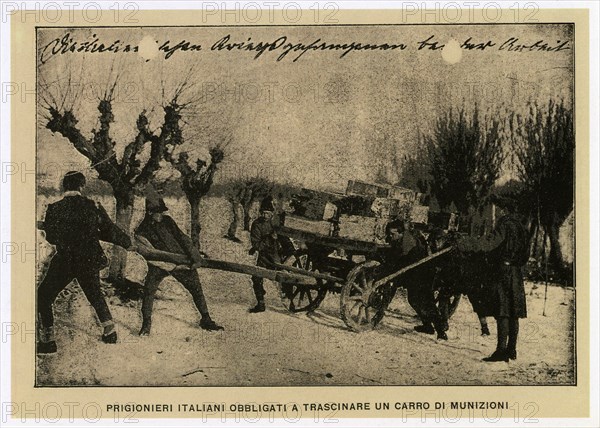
(318, 121)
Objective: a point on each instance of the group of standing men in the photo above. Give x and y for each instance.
(76, 224)
(501, 294)
(506, 246)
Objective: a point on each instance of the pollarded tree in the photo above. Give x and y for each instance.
(197, 167)
(194, 161)
(126, 174)
(465, 158)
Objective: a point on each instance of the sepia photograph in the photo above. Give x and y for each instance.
(306, 205)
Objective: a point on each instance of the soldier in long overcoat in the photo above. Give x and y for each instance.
(507, 246)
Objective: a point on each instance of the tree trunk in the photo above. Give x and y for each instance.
(124, 212)
(195, 227)
(234, 219)
(246, 199)
(247, 207)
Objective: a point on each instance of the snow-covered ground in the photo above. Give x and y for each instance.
(279, 348)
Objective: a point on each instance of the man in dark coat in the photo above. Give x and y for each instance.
(161, 232)
(75, 225)
(264, 241)
(407, 248)
(507, 245)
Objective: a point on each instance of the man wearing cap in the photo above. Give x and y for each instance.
(405, 249)
(75, 225)
(264, 241)
(508, 246)
(160, 231)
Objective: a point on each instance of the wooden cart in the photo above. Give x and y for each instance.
(347, 267)
(322, 264)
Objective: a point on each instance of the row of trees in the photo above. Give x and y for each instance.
(243, 193)
(466, 154)
(151, 158)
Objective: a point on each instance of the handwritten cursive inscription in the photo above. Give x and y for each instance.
(284, 47)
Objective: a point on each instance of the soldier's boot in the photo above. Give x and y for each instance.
(260, 307)
(513, 334)
(441, 332)
(146, 326)
(441, 328)
(109, 335)
(501, 352)
(206, 323)
(442, 335)
(485, 330)
(259, 292)
(110, 338)
(498, 355)
(425, 328)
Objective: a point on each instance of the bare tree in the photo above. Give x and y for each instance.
(465, 158)
(141, 156)
(197, 175)
(544, 146)
(195, 161)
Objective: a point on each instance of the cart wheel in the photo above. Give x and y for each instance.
(301, 298)
(361, 305)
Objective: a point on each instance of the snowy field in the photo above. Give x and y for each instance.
(279, 348)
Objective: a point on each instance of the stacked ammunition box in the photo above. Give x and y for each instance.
(360, 214)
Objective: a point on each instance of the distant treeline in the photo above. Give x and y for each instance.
(226, 189)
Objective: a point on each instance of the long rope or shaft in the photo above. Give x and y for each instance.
(409, 267)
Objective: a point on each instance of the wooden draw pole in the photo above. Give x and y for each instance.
(396, 274)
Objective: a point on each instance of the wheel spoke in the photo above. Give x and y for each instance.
(297, 298)
(295, 292)
(359, 314)
(356, 286)
(305, 296)
(301, 296)
(367, 315)
(353, 307)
